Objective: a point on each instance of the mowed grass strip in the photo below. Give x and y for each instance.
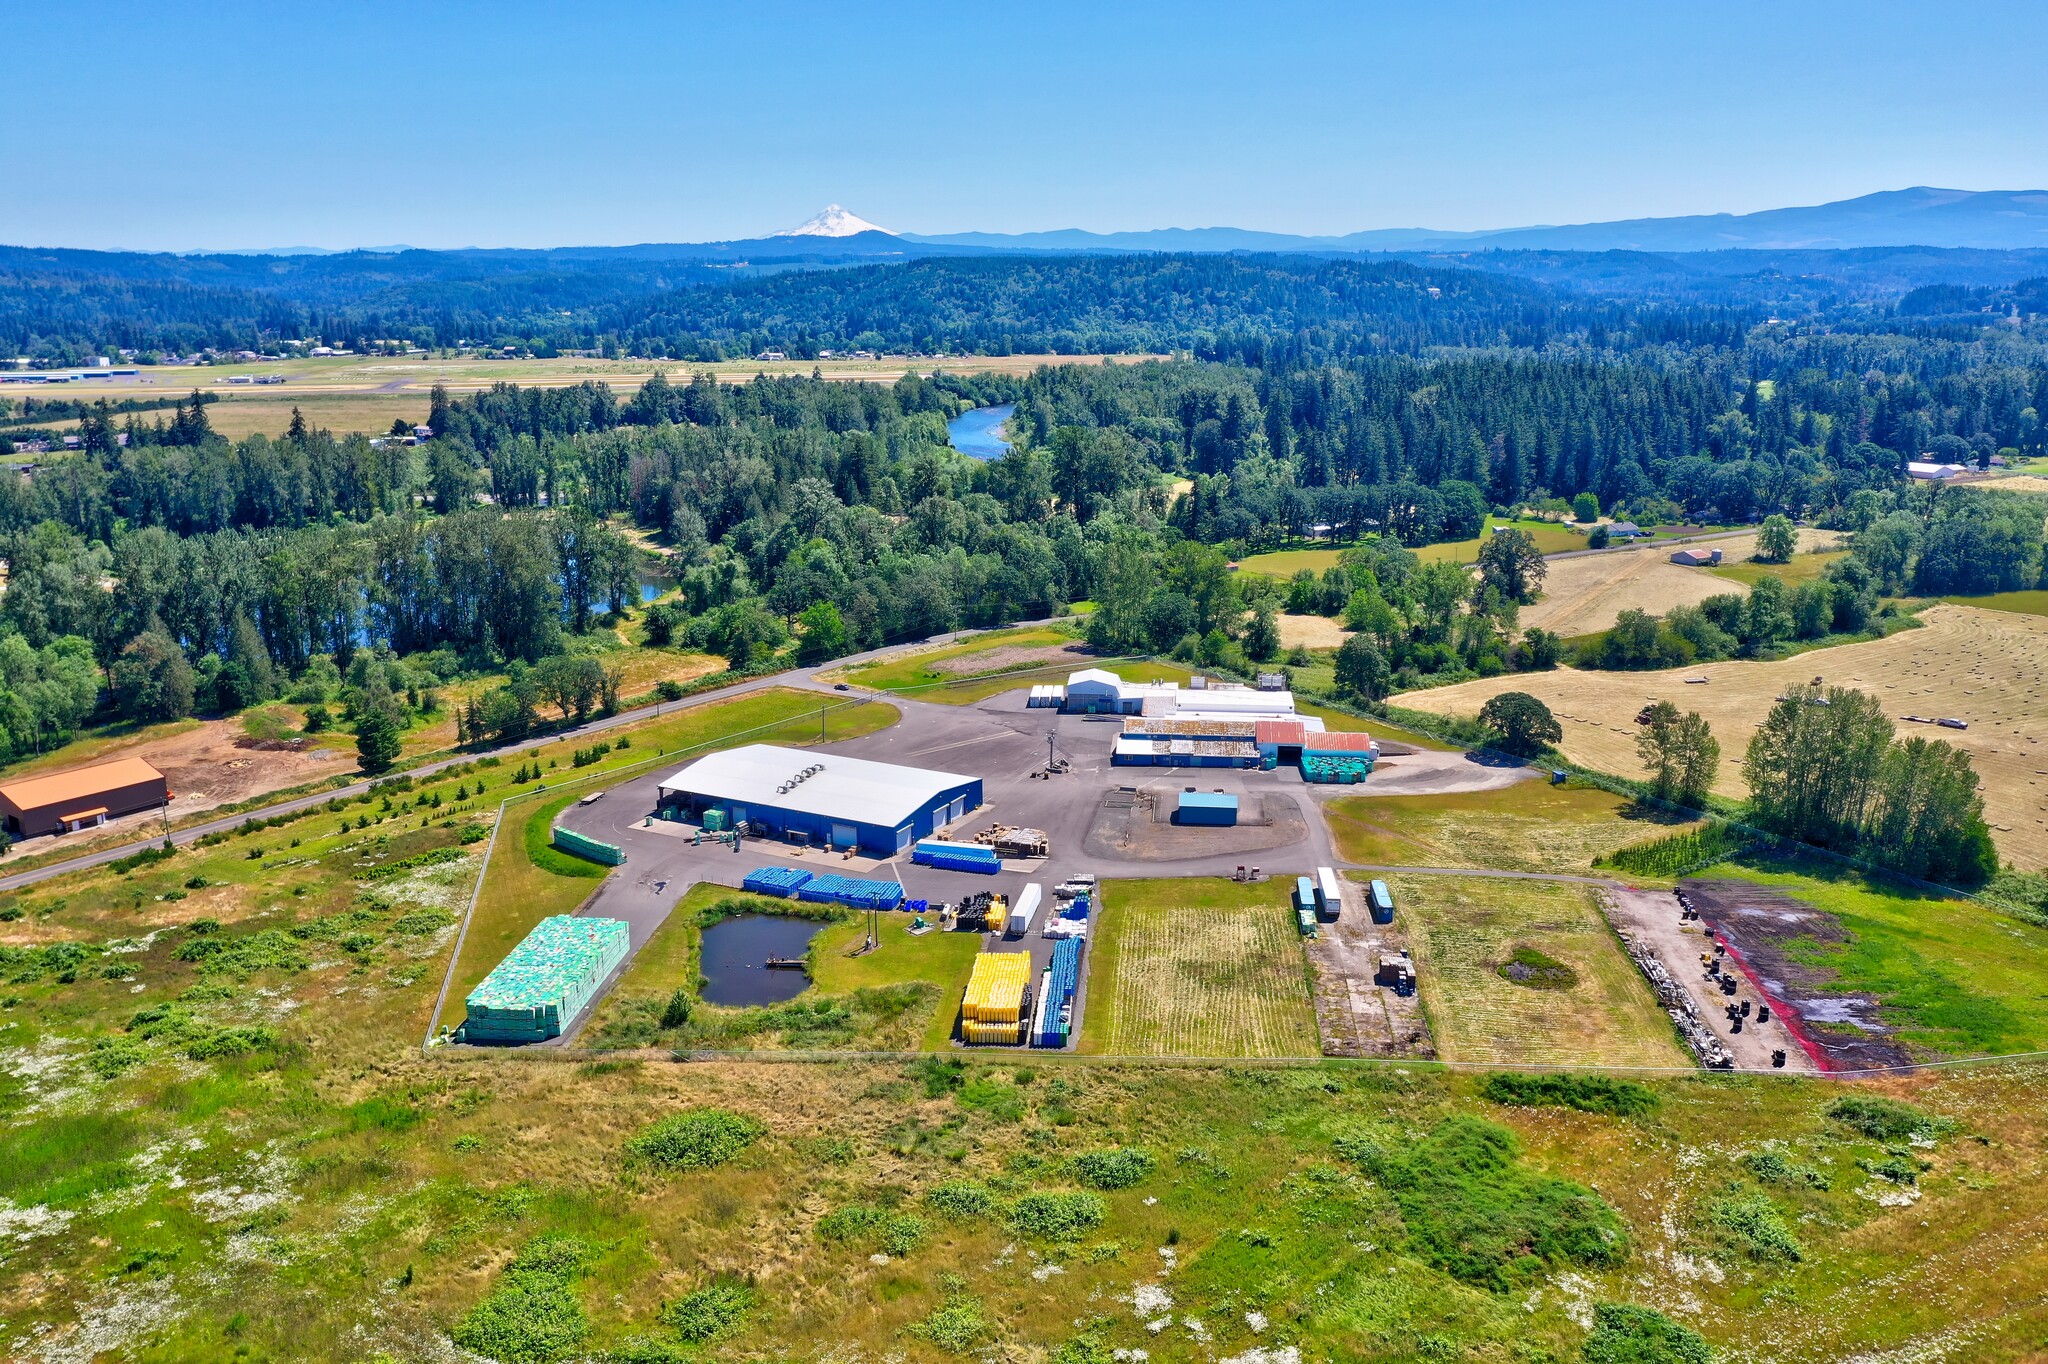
(1198, 967)
(1529, 826)
(1980, 666)
(1464, 930)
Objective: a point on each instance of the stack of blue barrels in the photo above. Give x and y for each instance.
(1057, 1017)
(853, 891)
(783, 881)
(945, 855)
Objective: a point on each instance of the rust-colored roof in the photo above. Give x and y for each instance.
(1340, 741)
(78, 783)
(1282, 732)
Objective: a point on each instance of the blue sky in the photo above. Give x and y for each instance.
(171, 126)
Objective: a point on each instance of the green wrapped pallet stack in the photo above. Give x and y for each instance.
(569, 841)
(546, 981)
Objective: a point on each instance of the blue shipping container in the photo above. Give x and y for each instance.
(1206, 807)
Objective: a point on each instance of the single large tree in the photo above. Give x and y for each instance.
(1776, 539)
(1521, 724)
(1510, 563)
(377, 741)
(1681, 753)
(1362, 669)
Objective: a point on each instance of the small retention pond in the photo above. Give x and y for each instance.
(734, 959)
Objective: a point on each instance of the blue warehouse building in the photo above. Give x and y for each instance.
(822, 799)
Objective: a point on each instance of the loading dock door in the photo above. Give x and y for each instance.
(959, 808)
(903, 838)
(843, 836)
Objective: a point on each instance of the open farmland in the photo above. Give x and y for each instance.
(1980, 666)
(1465, 931)
(1585, 593)
(1198, 967)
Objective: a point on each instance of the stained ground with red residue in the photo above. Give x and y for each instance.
(1843, 1029)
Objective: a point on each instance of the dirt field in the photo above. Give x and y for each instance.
(1014, 656)
(1651, 919)
(1765, 931)
(1310, 632)
(1356, 1016)
(1465, 930)
(1585, 594)
(1980, 666)
(365, 393)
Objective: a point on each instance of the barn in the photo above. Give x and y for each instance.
(821, 799)
(81, 798)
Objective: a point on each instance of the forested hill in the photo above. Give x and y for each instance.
(60, 306)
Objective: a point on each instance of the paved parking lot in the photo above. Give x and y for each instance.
(999, 740)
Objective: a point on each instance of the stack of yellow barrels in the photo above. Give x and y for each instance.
(993, 1008)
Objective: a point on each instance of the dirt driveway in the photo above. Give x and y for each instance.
(1355, 1016)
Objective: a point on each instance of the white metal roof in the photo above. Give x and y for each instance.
(850, 789)
(1220, 703)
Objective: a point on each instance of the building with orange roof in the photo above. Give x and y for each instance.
(81, 798)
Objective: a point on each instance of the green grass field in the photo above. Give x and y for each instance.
(1529, 826)
(1198, 967)
(1550, 537)
(1800, 568)
(2031, 603)
(1954, 977)
(1464, 931)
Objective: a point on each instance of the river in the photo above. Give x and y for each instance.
(977, 433)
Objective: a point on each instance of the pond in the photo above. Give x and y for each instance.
(735, 953)
(978, 433)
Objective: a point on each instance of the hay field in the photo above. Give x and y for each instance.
(1463, 931)
(1981, 666)
(1586, 593)
(1310, 632)
(1199, 967)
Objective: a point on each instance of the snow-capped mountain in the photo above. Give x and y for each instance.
(835, 221)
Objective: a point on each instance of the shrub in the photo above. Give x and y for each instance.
(1772, 1168)
(863, 1224)
(1537, 970)
(1755, 1225)
(419, 923)
(230, 1042)
(961, 1199)
(1641, 1335)
(1884, 1119)
(1473, 1211)
(695, 1139)
(710, 1312)
(1587, 1093)
(957, 1325)
(1119, 1167)
(1676, 855)
(1056, 1216)
(530, 1316)
(677, 1011)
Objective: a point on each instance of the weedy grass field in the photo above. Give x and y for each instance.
(1975, 665)
(1550, 537)
(1197, 967)
(1953, 977)
(1526, 826)
(1583, 1002)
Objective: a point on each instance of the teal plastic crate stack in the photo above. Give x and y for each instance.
(546, 981)
(1323, 767)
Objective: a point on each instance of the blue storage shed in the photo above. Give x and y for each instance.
(822, 799)
(1206, 807)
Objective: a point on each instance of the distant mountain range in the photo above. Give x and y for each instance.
(1991, 220)
(1983, 220)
